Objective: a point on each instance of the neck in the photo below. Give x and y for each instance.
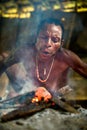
(44, 59)
(43, 71)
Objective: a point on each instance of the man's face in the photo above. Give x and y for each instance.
(49, 40)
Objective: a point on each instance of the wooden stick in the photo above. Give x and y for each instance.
(27, 110)
(57, 99)
(23, 98)
(64, 105)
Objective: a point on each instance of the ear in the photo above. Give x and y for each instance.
(62, 42)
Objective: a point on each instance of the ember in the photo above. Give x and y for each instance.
(35, 99)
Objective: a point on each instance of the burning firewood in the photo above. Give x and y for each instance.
(26, 110)
(34, 105)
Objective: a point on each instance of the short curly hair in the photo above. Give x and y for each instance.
(51, 21)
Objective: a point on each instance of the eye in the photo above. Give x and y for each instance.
(43, 37)
(56, 39)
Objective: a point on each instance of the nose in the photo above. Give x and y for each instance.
(48, 42)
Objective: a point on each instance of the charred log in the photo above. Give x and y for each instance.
(25, 111)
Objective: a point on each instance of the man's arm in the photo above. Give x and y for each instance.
(3, 56)
(76, 63)
(8, 59)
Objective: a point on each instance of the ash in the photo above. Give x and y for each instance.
(49, 119)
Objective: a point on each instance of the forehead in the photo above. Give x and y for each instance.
(51, 28)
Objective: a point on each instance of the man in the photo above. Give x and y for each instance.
(44, 66)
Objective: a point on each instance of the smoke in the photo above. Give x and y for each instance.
(21, 75)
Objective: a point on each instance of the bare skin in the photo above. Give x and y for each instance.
(50, 64)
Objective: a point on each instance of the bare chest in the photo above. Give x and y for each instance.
(48, 75)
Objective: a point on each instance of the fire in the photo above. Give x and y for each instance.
(35, 99)
(41, 94)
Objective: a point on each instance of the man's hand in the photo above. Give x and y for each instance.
(3, 56)
(42, 93)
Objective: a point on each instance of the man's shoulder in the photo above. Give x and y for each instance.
(69, 57)
(63, 52)
(67, 52)
(66, 55)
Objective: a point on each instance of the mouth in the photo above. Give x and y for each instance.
(44, 54)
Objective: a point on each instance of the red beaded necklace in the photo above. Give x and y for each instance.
(37, 71)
